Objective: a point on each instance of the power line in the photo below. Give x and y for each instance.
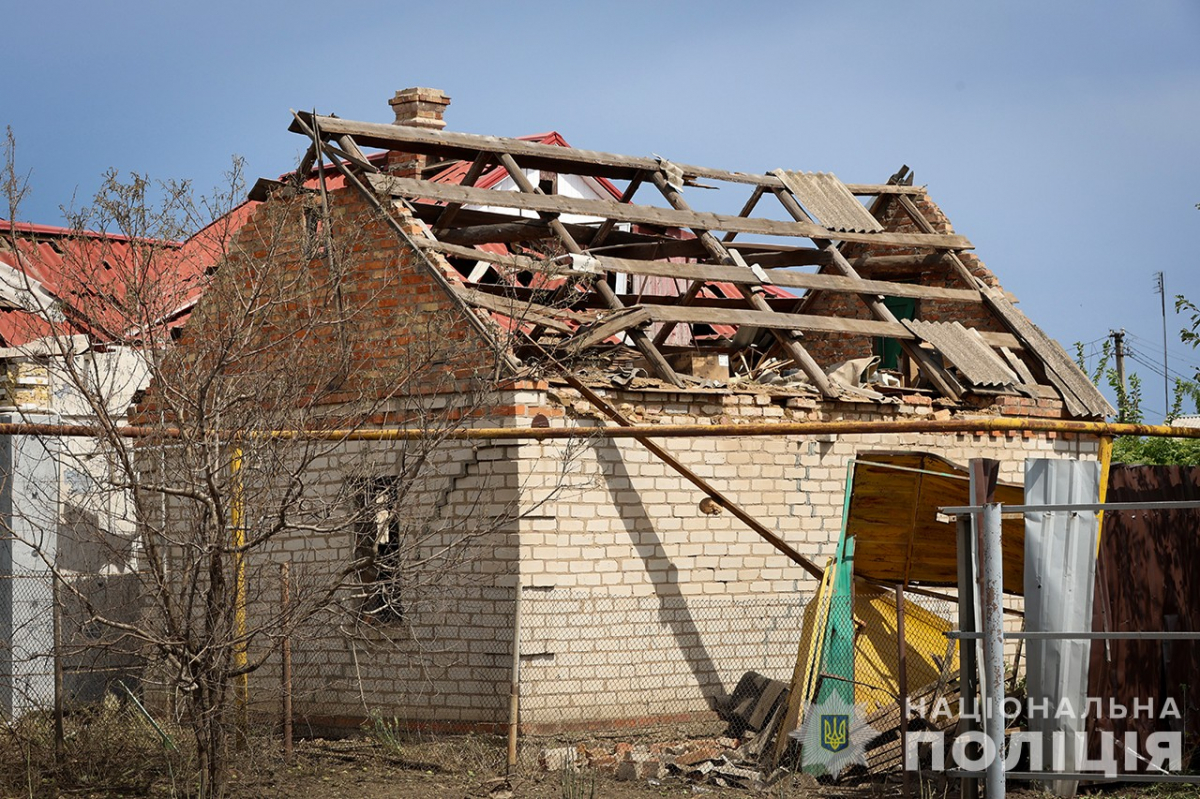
(1156, 367)
(1188, 357)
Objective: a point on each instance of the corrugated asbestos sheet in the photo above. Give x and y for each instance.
(1081, 397)
(1060, 569)
(964, 348)
(1145, 581)
(828, 199)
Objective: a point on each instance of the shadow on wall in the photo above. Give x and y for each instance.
(673, 609)
(85, 547)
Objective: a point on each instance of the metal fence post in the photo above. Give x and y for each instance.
(515, 689)
(902, 669)
(56, 656)
(992, 601)
(966, 646)
(285, 590)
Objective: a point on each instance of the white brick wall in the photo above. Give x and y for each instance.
(604, 522)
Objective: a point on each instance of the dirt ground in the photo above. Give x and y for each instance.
(448, 768)
(466, 770)
(458, 769)
(434, 770)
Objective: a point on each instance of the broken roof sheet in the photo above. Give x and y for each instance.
(828, 200)
(966, 349)
(633, 274)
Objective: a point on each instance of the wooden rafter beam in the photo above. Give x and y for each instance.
(640, 340)
(518, 310)
(607, 226)
(474, 172)
(776, 320)
(500, 233)
(567, 160)
(794, 349)
(747, 209)
(620, 322)
(411, 188)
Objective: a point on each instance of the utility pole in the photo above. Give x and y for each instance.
(1118, 337)
(1162, 293)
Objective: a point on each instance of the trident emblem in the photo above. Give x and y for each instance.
(835, 731)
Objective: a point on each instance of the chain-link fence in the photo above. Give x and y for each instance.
(669, 679)
(27, 642)
(41, 623)
(595, 662)
(711, 686)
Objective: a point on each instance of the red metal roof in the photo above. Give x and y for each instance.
(108, 285)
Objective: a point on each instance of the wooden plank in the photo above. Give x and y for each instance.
(648, 215)
(891, 261)
(619, 322)
(529, 312)
(773, 320)
(783, 277)
(568, 160)
(877, 189)
(652, 248)
(502, 233)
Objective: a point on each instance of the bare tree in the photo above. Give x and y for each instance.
(228, 358)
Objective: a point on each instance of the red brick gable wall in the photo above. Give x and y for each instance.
(294, 321)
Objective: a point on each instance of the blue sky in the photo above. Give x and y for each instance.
(1059, 137)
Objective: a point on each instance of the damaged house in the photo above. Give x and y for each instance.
(615, 301)
(590, 290)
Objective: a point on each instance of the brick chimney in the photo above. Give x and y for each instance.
(420, 108)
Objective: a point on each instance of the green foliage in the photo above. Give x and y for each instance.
(1191, 333)
(388, 734)
(1156, 451)
(1146, 450)
(578, 784)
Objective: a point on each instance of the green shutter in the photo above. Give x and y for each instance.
(888, 349)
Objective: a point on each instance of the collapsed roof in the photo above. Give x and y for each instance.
(807, 286)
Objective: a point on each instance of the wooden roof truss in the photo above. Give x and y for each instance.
(550, 262)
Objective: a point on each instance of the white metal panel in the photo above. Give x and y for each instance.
(1060, 571)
